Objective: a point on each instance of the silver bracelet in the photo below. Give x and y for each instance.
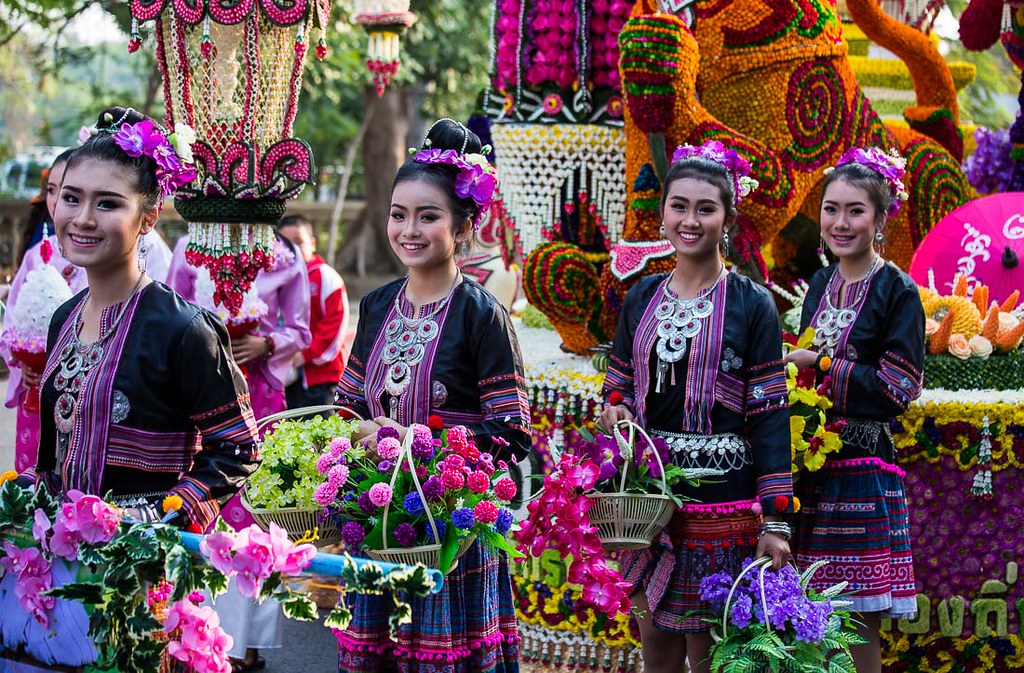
(780, 528)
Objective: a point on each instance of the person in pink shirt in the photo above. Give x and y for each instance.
(321, 363)
(154, 255)
(267, 356)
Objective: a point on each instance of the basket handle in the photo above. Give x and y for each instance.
(627, 452)
(761, 562)
(406, 453)
(303, 411)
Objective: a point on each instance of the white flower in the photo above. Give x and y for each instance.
(182, 140)
(477, 159)
(42, 294)
(747, 185)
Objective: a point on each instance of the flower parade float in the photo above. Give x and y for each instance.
(84, 588)
(588, 99)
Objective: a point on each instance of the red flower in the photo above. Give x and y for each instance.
(435, 422)
(615, 398)
(781, 503)
(194, 528)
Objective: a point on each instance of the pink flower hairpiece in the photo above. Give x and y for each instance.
(890, 165)
(172, 152)
(728, 158)
(477, 178)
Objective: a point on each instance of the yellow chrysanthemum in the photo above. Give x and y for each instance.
(927, 294)
(9, 475)
(966, 317)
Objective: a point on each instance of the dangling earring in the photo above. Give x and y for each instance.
(60, 249)
(880, 241)
(143, 254)
(661, 229)
(725, 244)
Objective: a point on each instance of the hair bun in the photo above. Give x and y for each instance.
(448, 134)
(116, 116)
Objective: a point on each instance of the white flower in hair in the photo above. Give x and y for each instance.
(182, 140)
(747, 185)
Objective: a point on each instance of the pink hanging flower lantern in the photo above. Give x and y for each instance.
(233, 72)
(384, 21)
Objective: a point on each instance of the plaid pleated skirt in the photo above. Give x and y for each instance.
(469, 627)
(700, 540)
(854, 515)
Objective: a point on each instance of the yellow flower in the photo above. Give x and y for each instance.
(807, 396)
(172, 503)
(9, 475)
(797, 424)
(806, 339)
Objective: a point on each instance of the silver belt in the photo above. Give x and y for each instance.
(724, 451)
(864, 434)
(137, 499)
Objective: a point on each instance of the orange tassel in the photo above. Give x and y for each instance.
(990, 330)
(940, 340)
(960, 286)
(981, 298)
(1009, 339)
(1011, 302)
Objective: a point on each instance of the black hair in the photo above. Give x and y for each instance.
(296, 220)
(445, 135)
(102, 146)
(868, 179)
(705, 170)
(63, 157)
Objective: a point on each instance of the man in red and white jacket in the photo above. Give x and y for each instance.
(320, 365)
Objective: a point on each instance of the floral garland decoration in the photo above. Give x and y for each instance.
(559, 519)
(553, 30)
(730, 159)
(890, 165)
(811, 437)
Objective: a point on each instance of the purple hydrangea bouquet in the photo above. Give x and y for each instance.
(773, 621)
(421, 500)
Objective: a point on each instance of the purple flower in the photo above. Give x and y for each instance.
(463, 518)
(812, 626)
(387, 431)
(504, 521)
(441, 527)
(405, 534)
(352, 534)
(413, 504)
(477, 183)
(714, 589)
(137, 139)
(385, 466)
(365, 504)
(422, 449)
(988, 170)
(433, 489)
(324, 494)
(741, 605)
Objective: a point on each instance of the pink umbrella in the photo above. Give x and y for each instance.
(983, 240)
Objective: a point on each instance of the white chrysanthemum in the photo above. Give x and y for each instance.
(42, 294)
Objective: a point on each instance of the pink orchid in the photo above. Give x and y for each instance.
(610, 598)
(216, 547)
(64, 542)
(97, 520)
(289, 558)
(29, 591)
(40, 528)
(250, 574)
(203, 645)
(254, 543)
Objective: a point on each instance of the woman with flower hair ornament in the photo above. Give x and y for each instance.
(697, 361)
(139, 396)
(154, 256)
(868, 353)
(437, 344)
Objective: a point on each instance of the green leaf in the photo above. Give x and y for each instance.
(586, 434)
(339, 618)
(299, 607)
(448, 549)
(80, 592)
(215, 581)
(177, 565)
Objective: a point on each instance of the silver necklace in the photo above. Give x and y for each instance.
(77, 359)
(405, 343)
(832, 322)
(679, 320)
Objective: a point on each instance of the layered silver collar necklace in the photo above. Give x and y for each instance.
(679, 320)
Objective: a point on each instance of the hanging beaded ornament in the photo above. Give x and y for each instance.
(383, 21)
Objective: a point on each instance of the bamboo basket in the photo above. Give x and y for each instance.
(430, 554)
(629, 521)
(298, 522)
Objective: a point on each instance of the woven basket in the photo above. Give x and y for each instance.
(628, 521)
(296, 521)
(429, 555)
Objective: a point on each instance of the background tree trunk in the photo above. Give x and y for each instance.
(385, 148)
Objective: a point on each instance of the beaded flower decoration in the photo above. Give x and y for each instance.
(730, 159)
(890, 165)
(476, 180)
(172, 152)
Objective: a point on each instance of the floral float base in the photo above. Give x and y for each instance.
(966, 547)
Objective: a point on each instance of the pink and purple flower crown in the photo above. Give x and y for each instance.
(477, 178)
(728, 158)
(172, 152)
(890, 165)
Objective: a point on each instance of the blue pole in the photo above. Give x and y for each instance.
(327, 564)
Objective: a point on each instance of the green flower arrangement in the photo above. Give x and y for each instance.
(288, 476)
